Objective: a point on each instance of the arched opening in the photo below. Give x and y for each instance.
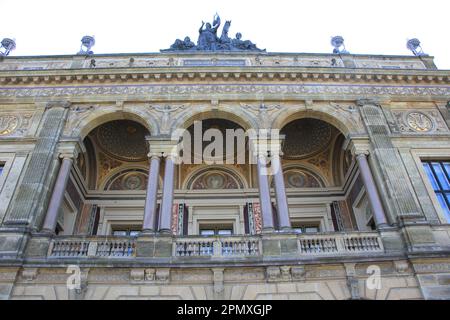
(214, 177)
(321, 178)
(108, 181)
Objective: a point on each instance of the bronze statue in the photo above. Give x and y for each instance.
(209, 41)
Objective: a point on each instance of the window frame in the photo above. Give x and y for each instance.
(303, 225)
(424, 153)
(440, 190)
(216, 228)
(128, 228)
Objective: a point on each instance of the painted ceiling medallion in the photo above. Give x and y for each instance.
(133, 182)
(123, 140)
(8, 124)
(419, 122)
(215, 180)
(300, 179)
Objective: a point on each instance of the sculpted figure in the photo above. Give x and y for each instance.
(207, 39)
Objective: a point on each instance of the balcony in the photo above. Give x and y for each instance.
(219, 247)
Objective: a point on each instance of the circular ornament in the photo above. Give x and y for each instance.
(419, 122)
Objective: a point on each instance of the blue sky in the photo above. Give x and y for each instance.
(47, 27)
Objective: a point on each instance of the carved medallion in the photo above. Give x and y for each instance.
(419, 122)
(8, 123)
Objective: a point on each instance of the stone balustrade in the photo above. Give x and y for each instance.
(326, 244)
(103, 247)
(340, 243)
(217, 246)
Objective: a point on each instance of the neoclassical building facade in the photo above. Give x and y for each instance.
(92, 190)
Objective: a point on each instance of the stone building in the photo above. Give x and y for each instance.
(94, 205)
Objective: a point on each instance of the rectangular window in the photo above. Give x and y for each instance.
(125, 231)
(305, 227)
(438, 173)
(213, 230)
(1, 169)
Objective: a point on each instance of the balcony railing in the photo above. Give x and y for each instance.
(324, 244)
(79, 247)
(217, 246)
(339, 243)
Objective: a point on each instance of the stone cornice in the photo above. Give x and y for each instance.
(224, 74)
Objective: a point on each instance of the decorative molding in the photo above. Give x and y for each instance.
(202, 89)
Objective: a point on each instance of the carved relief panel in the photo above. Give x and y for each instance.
(418, 121)
(14, 125)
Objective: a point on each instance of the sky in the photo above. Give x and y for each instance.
(52, 27)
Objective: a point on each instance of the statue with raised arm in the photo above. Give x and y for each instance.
(207, 39)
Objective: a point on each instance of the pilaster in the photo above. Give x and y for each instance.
(33, 194)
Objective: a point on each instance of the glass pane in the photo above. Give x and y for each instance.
(444, 206)
(224, 232)
(447, 168)
(207, 232)
(430, 175)
(298, 230)
(440, 175)
(134, 233)
(448, 211)
(311, 229)
(1, 169)
(119, 233)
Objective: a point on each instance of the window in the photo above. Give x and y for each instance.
(305, 228)
(125, 231)
(1, 168)
(438, 173)
(216, 230)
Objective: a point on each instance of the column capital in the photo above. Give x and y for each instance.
(359, 146)
(58, 104)
(266, 145)
(162, 146)
(154, 155)
(69, 149)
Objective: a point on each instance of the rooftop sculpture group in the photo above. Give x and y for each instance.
(209, 41)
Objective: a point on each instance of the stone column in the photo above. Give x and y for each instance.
(57, 195)
(372, 192)
(280, 192)
(167, 200)
(264, 193)
(152, 194)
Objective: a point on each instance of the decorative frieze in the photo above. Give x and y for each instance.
(243, 89)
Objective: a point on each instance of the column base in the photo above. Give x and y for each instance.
(268, 231)
(383, 226)
(286, 230)
(149, 232)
